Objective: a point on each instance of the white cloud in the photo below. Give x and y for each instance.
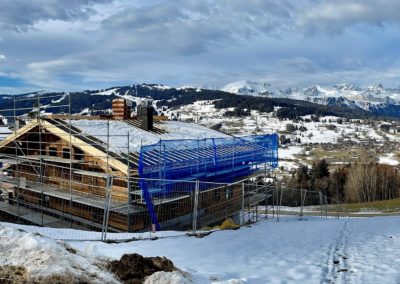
(2, 57)
(95, 43)
(335, 16)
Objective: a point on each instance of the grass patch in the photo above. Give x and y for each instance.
(387, 206)
(330, 156)
(228, 224)
(337, 155)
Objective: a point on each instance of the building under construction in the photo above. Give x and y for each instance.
(124, 172)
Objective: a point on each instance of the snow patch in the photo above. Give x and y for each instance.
(388, 159)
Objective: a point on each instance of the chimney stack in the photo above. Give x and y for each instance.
(145, 113)
(120, 109)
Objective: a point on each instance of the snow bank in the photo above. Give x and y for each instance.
(44, 257)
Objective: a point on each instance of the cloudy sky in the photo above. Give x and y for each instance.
(83, 44)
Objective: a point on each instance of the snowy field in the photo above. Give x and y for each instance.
(366, 250)
(348, 250)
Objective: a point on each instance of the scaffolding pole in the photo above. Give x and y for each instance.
(70, 158)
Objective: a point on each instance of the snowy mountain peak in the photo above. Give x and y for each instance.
(314, 90)
(246, 87)
(346, 87)
(376, 89)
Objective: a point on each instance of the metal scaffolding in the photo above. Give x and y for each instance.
(46, 178)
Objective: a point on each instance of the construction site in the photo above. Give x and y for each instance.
(127, 171)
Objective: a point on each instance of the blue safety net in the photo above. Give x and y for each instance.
(163, 164)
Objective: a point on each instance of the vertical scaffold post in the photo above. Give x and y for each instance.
(70, 157)
(301, 204)
(198, 158)
(242, 220)
(320, 202)
(128, 181)
(40, 157)
(273, 200)
(280, 202)
(107, 203)
(16, 173)
(266, 200)
(195, 206)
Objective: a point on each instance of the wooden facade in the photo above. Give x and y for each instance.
(68, 177)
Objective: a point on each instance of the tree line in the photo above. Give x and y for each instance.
(362, 181)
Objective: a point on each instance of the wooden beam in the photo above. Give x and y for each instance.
(15, 135)
(85, 147)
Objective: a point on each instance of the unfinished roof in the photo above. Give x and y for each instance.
(118, 133)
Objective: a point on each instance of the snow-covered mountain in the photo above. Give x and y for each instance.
(346, 99)
(251, 88)
(371, 98)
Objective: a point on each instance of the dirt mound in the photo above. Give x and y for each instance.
(13, 274)
(134, 268)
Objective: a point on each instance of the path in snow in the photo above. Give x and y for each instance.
(336, 266)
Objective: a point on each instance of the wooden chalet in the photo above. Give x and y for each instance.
(57, 171)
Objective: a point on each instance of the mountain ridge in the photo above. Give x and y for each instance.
(164, 97)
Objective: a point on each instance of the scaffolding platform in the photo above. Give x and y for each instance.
(81, 198)
(36, 218)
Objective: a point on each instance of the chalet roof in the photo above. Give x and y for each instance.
(90, 135)
(118, 130)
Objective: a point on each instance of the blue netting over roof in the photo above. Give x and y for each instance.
(211, 160)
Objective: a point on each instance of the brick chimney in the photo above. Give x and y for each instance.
(120, 109)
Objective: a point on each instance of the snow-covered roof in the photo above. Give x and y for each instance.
(4, 132)
(119, 133)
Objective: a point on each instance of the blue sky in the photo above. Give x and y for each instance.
(91, 44)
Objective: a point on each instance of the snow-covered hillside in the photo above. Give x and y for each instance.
(348, 250)
(328, 129)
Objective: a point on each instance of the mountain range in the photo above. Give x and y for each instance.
(341, 100)
(375, 99)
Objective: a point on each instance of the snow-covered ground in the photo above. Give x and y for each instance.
(289, 152)
(348, 250)
(290, 251)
